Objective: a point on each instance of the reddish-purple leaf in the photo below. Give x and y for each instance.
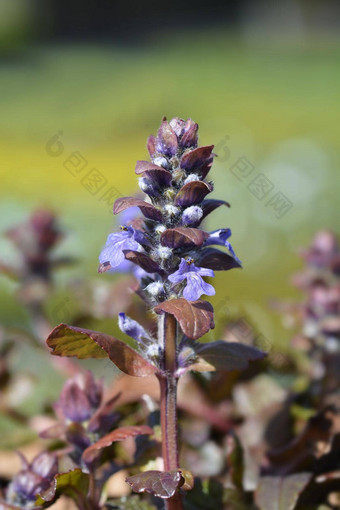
(194, 317)
(154, 172)
(196, 158)
(205, 169)
(104, 417)
(166, 142)
(228, 355)
(91, 453)
(209, 205)
(183, 237)
(189, 137)
(151, 145)
(67, 340)
(142, 260)
(298, 453)
(192, 193)
(162, 484)
(149, 211)
(276, 493)
(217, 260)
(143, 166)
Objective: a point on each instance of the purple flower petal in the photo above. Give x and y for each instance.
(45, 465)
(195, 285)
(204, 271)
(219, 237)
(74, 403)
(132, 328)
(192, 215)
(113, 251)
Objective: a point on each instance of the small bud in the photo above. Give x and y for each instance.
(170, 193)
(160, 229)
(147, 186)
(187, 356)
(178, 175)
(153, 351)
(177, 125)
(166, 141)
(174, 161)
(192, 178)
(162, 161)
(163, 252)
(131, 328)
(155, 289)
(171, 210)
(192, 215)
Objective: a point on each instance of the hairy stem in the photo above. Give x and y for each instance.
(168, 385)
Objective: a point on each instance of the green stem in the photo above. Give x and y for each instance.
(168, 385)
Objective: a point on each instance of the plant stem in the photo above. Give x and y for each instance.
(168, 384)
(94, 493)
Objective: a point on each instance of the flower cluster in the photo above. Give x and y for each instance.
(86, 432)
(32, 479)
(319, 315)
(35, 240)
(83, 417)
(170, 250)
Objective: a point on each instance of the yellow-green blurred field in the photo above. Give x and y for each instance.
(276, 103)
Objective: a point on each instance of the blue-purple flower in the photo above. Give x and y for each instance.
(195, 285)
(220, 237)
(113, 252)
(32, 479)
(132, 328)
(80, 397)
(192, 215)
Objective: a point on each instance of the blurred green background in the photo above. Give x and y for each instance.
(262, 81)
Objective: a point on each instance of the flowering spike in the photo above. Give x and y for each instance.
(171, 253)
